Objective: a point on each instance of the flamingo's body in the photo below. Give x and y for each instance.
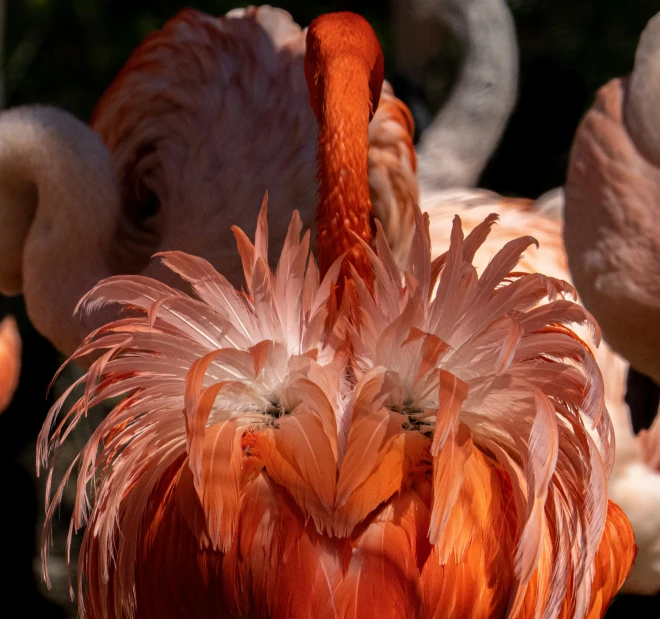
(278, 447)
(612, 191)
(415, 451)
(611, 234)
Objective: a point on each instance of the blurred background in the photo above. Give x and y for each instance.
(66, 52)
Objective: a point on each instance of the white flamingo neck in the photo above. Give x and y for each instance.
(457, 145)
(55, 177)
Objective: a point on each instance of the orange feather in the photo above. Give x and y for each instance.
(10, 360)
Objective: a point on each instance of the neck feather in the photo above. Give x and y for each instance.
(344, 207)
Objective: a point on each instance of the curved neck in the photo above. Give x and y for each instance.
(457, 145)
(58, 210)
(344, 207)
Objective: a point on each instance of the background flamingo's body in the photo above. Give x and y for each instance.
(205, 97)
(207, 115)
(612, 190)
(611, 233)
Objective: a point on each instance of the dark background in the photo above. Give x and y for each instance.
(65, 52)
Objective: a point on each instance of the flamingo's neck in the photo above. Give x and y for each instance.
(344, 207)
(344, 72)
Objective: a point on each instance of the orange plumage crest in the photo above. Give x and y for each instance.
(436, 445)
(455, 456)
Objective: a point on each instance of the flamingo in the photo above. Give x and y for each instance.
(206, 115)
(611, 189)
(456, 145)
(345, 440)
(147, 186)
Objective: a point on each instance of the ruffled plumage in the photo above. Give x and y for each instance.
(435, 446)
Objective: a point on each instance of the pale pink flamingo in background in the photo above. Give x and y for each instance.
(612, 238)
(459, 141)
(612, 191)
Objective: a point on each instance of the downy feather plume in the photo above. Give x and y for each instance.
(435, 446)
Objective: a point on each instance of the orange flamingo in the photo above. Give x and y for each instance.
(421, 447)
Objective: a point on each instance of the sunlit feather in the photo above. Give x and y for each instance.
(220, 411)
